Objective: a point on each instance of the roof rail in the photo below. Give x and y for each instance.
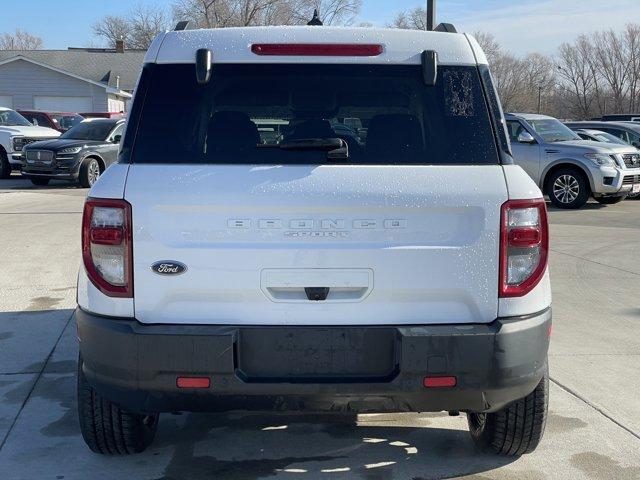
(446, 28)
(181, 25)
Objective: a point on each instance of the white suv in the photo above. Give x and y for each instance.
(401, 266)
(15, 133)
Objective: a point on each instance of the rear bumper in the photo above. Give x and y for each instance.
(136, 366)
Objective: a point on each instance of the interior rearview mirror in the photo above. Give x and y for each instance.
(526, 137)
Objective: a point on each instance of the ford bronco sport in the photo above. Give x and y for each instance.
(232, 267)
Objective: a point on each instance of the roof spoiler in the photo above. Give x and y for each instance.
(181, 25)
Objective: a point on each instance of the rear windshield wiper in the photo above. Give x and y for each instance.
(336, 148)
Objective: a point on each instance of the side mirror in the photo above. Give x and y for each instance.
(636, 143)
(526, 137)
(117, 138)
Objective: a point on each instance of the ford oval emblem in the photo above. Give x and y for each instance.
(169, 267)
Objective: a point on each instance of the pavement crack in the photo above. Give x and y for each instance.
(598, 409)
(593, 261)
(35, 382)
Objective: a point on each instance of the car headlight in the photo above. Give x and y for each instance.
(69, 151)
(18, 143)
(602, 159)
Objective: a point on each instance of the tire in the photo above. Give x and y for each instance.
(106, 428)
(516, 429)
(5, 166)
(40, 181)
(568, 188)
(609, 200)
(89, 172)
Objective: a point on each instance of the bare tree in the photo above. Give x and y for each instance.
(146, 23)
(20, 40)
(632, 41)
(415, 19)
(232, 13)
(610, 55)
(137, 30)
(574, 70)
(491, 47)
(112, 28)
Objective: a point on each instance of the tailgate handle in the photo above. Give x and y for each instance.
(306, 285)
(317, 294)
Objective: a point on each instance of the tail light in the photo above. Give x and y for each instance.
(524, 246)
(107, 247)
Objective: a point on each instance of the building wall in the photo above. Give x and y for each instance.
(23, 81)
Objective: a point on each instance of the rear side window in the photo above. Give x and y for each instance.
(248, 114)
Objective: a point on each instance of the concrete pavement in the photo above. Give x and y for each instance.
(593, 430)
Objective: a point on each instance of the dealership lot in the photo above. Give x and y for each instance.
(594, 427)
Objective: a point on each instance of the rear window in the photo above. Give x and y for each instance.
(250, 113)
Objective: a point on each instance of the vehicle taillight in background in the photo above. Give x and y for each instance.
(524, 246)
(107, 246)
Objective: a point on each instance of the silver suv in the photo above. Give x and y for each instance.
(570, 169)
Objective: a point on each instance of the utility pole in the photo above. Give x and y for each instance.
(539, 99)
(431, 14)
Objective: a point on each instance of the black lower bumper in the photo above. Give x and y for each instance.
(360, 369)
(53, 174)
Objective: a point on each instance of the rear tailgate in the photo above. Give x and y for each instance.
(394, 244)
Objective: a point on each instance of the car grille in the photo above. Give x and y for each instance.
(20, 142)
(632, 160)
(39, 156)
(631, 179)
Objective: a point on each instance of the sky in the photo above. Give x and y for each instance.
(521, 27)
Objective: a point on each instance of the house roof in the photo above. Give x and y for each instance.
(97, 66)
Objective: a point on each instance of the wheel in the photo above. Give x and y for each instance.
(609, 200)
(89, 172)
(108, 429)
(5, 166)
(568, 188)
(40, 181)
(516, 429)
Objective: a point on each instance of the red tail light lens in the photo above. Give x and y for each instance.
(524, 246)
(107, 246)
(317, 49)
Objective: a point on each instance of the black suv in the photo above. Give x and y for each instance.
(80, 154)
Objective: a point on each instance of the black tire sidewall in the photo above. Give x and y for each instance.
(609, 200)
(5, 166)
(583, 183)
(92, 407)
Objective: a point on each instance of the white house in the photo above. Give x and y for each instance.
(72, 80)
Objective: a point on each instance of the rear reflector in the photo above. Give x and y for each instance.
(317, 49)
(193, 382)
(439, 382)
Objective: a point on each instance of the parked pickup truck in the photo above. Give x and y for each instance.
(569, 169)
(15, 133)
(407, 272)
